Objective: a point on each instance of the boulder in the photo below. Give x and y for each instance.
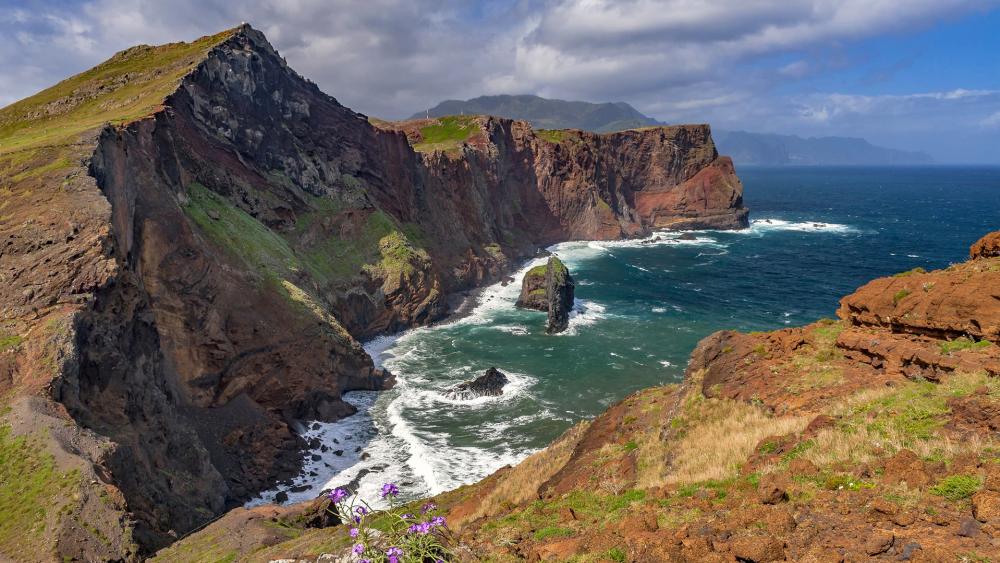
(549, 288)
(986, 247)
(490, 384)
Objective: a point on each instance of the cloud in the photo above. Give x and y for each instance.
(992, 121)
(678, 60)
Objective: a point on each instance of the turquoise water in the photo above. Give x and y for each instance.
(816, 235)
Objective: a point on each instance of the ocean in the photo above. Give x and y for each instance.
(642, 306)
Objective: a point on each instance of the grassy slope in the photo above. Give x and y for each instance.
(128, 86)
(447, 134)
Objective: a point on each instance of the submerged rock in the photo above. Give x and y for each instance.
(549, 288)
(490, 384)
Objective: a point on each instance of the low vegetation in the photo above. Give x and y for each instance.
(33, 492)
(962, 343)
(447, 134)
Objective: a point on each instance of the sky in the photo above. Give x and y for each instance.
(909, 74)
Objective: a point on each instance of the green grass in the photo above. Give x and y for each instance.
(8, 341)
(616, 554)
(130, 85)
(447, 134)
(900, 295)
(398, 257)
(917, 270)
(31, 490)
(553, 532)
(239, 233)
(957, 487)
(537, 271)
(963, 343)
(552, 135)
(818, 367)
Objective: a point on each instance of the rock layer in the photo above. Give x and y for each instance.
(186, 285)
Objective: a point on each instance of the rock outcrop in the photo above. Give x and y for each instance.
(184, 285)
(490, 384)
(549, 288)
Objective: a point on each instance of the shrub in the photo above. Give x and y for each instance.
(392, 536)
(957, 487)
(899, 296)
(616, 554)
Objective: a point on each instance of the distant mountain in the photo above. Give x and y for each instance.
(773, 149)
(544, 113)
(745, 147)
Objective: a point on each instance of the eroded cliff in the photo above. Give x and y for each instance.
(184, 284)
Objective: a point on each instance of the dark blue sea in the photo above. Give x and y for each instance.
(816, 235)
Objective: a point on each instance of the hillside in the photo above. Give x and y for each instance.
(781, 150)
(543, 113)
(195, 238)
(868, 437)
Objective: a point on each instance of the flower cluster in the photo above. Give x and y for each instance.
(392, 536)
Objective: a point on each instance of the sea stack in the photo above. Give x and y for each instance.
(549, 288)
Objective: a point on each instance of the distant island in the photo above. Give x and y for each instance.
(779, 150)
(745, 147)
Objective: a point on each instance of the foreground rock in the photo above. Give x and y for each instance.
(791, 445)
(490, 384)
(549, 288)
(184, 286)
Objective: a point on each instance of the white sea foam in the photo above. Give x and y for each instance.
(761, 226)
(659, 309)
(584, 313)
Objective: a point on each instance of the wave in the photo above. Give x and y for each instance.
(761, 226)
(584, 313)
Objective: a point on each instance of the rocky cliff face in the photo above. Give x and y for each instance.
(185, 286)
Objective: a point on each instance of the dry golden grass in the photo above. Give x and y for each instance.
(721, 436)
(879, 422)
(521, 483)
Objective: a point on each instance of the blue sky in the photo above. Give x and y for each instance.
(910, 74)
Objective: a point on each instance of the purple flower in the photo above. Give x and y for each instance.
(389, 490)
(354, 532)
(428, 507)
(421, 528)
(337, 495)
(361, 510)
(358, 549)
(394, 554)
(406, 516)
(357, 519)
(437, 521)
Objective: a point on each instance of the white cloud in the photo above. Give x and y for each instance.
(991, 121)
(678, 60)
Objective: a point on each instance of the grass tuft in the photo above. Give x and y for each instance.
(957, 487)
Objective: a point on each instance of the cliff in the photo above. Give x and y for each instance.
(194, 239)
(867, 438)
